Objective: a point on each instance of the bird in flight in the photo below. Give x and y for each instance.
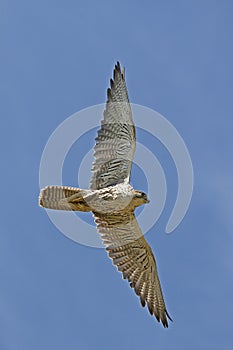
(113, 200)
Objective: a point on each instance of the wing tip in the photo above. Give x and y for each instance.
(168, 316)
(160, 316)
(164, 319)
(119, 70)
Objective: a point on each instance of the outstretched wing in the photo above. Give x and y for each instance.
(115, 142)
(132, 255)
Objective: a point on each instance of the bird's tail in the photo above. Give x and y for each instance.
(63, 198)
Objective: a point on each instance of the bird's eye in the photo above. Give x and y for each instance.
(141, 195)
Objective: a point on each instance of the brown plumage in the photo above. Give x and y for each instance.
(113, 201)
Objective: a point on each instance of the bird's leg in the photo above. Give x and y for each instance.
(63, 198)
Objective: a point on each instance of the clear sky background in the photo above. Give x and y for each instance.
(57, 58)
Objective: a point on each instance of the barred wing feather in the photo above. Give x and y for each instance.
(115, 142)
(133, 256)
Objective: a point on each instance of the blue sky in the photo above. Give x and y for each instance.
(57, 58)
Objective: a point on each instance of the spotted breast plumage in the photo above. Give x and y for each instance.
(112, 199)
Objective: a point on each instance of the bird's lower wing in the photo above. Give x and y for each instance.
(133, 257)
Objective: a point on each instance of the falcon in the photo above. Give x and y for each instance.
(112, 199)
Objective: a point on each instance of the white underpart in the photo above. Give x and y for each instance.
(110, 199)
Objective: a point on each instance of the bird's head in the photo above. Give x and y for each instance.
(140, 198)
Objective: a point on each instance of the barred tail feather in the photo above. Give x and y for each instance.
(62, 198)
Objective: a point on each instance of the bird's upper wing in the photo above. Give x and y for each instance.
(115, 142)
(133, 256)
